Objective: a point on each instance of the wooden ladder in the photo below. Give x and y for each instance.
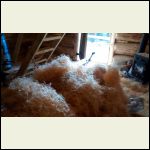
(37, 50)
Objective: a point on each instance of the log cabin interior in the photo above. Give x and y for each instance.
(74, 74)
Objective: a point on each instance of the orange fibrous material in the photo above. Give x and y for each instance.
(26, 97)
(66, 88)
(89, 92)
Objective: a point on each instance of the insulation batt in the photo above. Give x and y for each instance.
(66, 88)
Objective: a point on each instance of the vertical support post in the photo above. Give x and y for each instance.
(143, 42)
(36, 45)
(17, 47)
(83, 43)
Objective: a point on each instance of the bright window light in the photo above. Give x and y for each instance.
(99, 45)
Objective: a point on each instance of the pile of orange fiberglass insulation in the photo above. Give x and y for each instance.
(63, 87)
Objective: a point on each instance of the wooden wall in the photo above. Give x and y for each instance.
(67, 46)
(128, 44)
(125, 44)
(28, 39)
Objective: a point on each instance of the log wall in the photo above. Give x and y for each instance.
(67, 46)
(128, 44)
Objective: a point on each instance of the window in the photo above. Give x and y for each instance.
(96, 47)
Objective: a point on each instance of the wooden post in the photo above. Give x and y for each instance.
(83, 43)
(17, 47)
(36, 45)
(143, 43)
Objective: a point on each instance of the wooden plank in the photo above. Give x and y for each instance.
(55, 47)
(130, 35)
(17, 47)
(127, 39)
(52, 38)
(40, 61)
(44, 51)
(37, 58)
(126, 49)
(30, 55)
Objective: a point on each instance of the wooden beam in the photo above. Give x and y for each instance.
(55, 47)
(44, 51)
(36, 45)
(126, 39)
(126, 48)
(40, 61)
(17, 47)
(52, 38)
(83, 44)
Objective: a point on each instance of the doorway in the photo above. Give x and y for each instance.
(98, 48)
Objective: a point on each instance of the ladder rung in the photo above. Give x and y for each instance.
(52, 38)
(40, 61)
(44, 51)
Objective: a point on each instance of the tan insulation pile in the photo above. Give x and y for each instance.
(66, 88)
(26, 97)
